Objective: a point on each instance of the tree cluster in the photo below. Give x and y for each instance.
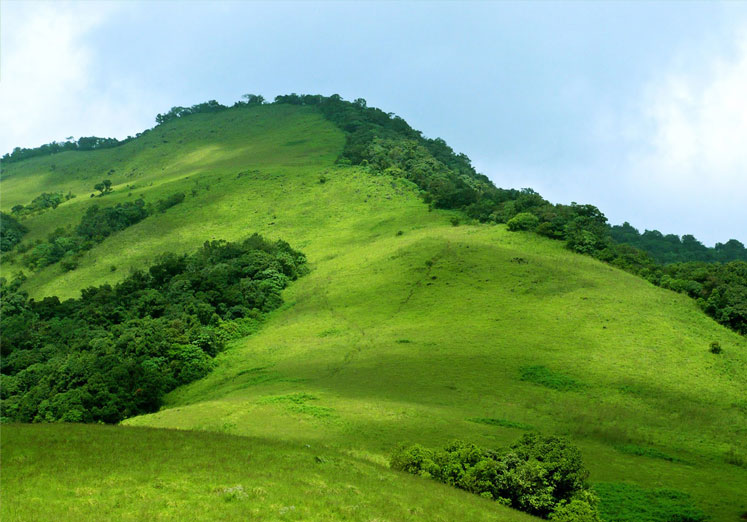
(670, 248)
(85, 143)
(104, 187)
(67, 245)
(115, 351)
(11, 232)
(540, 475)
(180, 112)
(42, 202)
(162, 205)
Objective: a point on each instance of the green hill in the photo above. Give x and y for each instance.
(407, 329)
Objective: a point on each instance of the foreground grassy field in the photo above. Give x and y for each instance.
(114, 473)
(407, 329)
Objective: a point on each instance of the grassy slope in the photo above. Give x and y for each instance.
(91, 473)
(403, 338)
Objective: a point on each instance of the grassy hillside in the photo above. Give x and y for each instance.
(407, 329)
(91, 473)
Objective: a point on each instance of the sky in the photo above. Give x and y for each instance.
(639, 108)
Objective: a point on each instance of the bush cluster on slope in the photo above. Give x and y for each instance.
(96, 225)
(540, 475)
(11, 232)
(67, 245)
(42, 202)
(115, 351)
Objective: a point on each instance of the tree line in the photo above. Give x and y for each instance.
(115, 351)
(81, 144)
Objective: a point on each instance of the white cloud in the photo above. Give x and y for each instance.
(700, 125)
(49, 88)
(688, 146)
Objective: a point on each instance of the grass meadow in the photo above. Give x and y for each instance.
(75, 472)
(408, 329)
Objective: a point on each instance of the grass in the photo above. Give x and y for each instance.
(633, 449)
(491, 421)
(547, 378)
(622, 502)
(74, 472)
(408, 329)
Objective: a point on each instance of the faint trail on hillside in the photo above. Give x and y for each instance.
(351, 354)
(429, 268)
(364, 342)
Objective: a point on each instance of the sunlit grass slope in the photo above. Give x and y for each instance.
(409, 329)
(113, 473)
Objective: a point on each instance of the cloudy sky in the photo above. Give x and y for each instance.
(638, 108)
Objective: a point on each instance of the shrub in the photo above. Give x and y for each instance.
(523, 221)
(164, 204)
(11, 232)
(716, 347)
(540, 475)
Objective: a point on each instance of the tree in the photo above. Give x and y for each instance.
(103, 187)
(253, 99)
(523, 221)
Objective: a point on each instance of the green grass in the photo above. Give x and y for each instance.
(547, 378)
(653, 453)
(491, 421)
(623, 502)
(74, 472)
(405, 338)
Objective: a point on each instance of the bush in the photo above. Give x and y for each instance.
(523, 221)
(716, 347)
(164, 204)
(540, 475)
(11, 232)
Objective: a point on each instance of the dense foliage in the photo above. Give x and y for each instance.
(179, 112)
(11, 232)
(66, 245)
(540, 475)
(721, 289)
(84, 143)
(42, 202)
(116, 350)
(162, 205)
(671, 248)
